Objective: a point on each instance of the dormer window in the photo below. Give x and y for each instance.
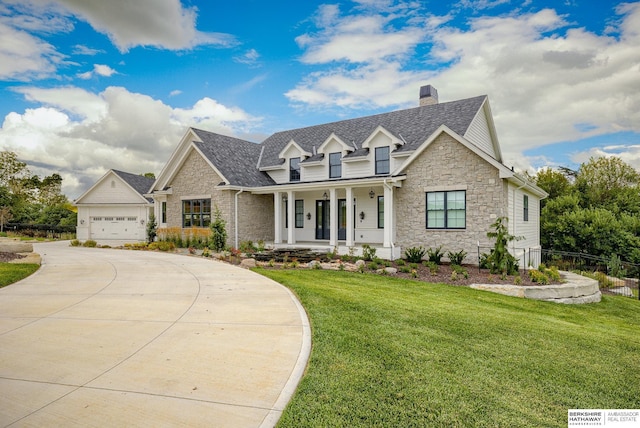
(382, 160)
(335, 165)
(294, 169)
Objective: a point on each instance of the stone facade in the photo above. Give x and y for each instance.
(196, 179)
(255, 217)
(448, 165)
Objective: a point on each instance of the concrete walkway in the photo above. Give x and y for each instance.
(105, 337)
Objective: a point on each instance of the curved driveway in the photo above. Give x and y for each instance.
(101, 337)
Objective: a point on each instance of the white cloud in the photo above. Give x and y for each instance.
(547, 80)
(250, 57)
(98, 69)
(24, 56)
(372, 34)
(82, 134)
(175, 92)
(85, 50)
(164, 24)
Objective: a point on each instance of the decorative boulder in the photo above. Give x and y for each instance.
(248, 263)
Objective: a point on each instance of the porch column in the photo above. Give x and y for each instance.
(291, 205)
(388, 216)
(350, 225)
(277, 215)
(333, 218)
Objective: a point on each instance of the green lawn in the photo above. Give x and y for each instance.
(400, 353)
(10, 273)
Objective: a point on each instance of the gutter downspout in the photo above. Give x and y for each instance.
(236, 215)
(393, 247)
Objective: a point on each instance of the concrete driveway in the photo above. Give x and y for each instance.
(105, 337)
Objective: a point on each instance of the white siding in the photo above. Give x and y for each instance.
(529, 230)
(479, 134)
(315, 173)
(112, 190)
(281, 175)
(356, 169)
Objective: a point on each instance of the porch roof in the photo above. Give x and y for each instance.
(338, 183)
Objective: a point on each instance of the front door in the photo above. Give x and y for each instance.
(322, 219)
(342, 219)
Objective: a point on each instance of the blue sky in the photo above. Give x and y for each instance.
(86, 86)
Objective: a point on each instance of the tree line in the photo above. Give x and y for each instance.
(593, 210)
(26, 198)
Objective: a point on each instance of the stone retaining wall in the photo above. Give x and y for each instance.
(576, 289)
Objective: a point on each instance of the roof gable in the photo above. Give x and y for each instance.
(234, 160)
(117, 187)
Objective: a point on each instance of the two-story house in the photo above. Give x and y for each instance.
(430, 175)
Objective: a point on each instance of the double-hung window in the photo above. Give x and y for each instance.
(294, 169)
(335, 165)
(446, 210)
(196, 213)
(380, 212)
(382, 160)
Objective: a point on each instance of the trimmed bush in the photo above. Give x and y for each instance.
(456, 258)
(414, 254)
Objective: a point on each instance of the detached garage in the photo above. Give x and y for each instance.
(115, 208)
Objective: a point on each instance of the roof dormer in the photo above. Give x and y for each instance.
(335, 144)
(293, 150)
(382, 137)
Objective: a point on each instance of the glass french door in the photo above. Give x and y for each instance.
(342, 219)
(322, 219)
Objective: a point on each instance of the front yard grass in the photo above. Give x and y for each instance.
(392, 352)
(10, 273)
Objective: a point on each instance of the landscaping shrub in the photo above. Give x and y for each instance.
(414, 254)
(456, 258)
(435, 255)
(368, 252)
(152, 228)
(247, 247)
(218, 231)
(500, 260)
(75, 243)
(162, 246)
(90, 243)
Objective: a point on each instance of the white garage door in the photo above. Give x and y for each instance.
(113, 227)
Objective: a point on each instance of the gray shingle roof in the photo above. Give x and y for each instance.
(140, 183)
(413, 125)
(235, 159)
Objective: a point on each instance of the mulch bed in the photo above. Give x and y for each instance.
(443, 275)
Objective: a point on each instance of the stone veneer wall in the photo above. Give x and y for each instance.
(448, 165)
(196, 178)
(255, 217)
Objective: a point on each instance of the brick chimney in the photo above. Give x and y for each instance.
(428, 95)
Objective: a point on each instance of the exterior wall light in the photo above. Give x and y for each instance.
(361, 215)
(308, 216)
(371, 193)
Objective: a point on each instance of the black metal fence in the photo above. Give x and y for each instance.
(41, 230)
(614, 275)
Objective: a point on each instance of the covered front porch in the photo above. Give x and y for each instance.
(339, 215)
